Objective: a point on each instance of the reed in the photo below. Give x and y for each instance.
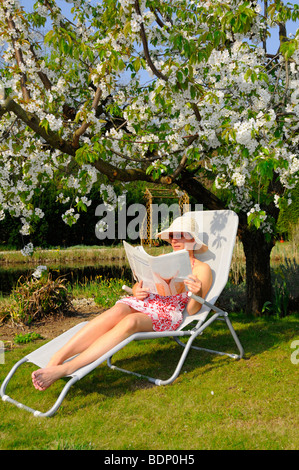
(63, 255)
(105, 292)
(96, 254)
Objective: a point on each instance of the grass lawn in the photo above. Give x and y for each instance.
(216, 402)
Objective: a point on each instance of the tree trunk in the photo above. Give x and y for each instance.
(258, 276)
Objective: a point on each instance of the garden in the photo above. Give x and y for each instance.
(100, 102)
(215, 403)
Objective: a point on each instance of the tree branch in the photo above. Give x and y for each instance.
(46, 82)
(180, 167)
(265, 32)
(33, 122)
(194, 188)
(19, 59)
(53, 139)
(120, 174)
(145, 47)
(189, 183)
(85, 124)
(159, 21)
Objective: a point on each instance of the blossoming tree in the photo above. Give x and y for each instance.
(172, 91)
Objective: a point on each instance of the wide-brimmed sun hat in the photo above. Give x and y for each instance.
(184, 225)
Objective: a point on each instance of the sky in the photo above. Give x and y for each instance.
(273, 42)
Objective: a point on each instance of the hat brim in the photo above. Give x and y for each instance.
(199, 246)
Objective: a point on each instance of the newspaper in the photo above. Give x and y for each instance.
(163, 275)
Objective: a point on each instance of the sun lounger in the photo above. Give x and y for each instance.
(219, 233)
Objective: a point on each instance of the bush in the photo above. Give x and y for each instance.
(34, 299)
(27, 338)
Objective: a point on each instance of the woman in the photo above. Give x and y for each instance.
(139, 313)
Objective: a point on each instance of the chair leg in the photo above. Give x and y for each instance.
(36, 413)
(220, 353)
(159, 381)
(235, 337)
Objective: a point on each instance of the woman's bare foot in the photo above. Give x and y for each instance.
(43, 378)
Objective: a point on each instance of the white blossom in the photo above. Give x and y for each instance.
(37, 274)
(27, 250)
(247, 104)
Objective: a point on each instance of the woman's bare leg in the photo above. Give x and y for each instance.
(131, 323)
(90, 332)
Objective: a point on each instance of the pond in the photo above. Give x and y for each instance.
(74, 273)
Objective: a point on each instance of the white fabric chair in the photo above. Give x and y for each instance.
(219, 229)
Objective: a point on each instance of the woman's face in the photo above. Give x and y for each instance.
(181, 240)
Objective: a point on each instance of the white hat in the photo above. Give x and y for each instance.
(188, 225)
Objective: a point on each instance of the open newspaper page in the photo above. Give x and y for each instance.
(163, 275)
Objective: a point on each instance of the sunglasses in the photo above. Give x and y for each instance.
(180, 235)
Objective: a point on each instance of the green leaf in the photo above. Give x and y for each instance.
(192, 92)
(45, 124)
(127, 28)
(288, 48)
(137, 64)
(248, 74)
(180, 76)
(149, 169)
(49, 36)
(81, 206)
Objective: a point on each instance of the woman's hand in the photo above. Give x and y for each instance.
(194, 285)
(140, 292)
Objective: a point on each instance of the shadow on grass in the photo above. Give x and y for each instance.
(159, 358)
(156, 358)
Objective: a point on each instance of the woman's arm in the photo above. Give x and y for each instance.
(199, 284)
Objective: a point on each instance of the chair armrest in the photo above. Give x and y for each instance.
(204, 302)
(127, 289)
